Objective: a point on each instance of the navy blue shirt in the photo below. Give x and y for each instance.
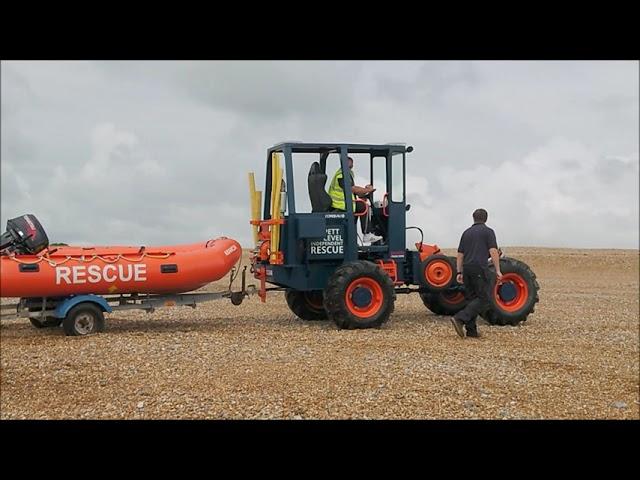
(475, 244)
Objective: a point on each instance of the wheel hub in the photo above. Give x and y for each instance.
(84, 323)
(507, 292)
(361, 297)
(438, 273)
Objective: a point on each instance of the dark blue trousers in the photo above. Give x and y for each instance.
(477, 284)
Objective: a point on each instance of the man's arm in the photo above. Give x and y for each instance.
(495, 258)
(493, 251)
(360, 191)
(459, 259)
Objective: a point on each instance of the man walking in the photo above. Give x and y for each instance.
(477, 244)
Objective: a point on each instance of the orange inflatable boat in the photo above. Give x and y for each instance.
(63, 271)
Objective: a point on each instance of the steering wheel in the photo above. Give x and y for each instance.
(385, 204)
(366, 207)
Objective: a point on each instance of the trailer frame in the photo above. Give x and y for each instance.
(56, 309)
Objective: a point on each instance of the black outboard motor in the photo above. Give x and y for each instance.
(24, 235)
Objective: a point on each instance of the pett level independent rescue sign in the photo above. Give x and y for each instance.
(331, 246)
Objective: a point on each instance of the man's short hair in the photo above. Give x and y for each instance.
(480, 215)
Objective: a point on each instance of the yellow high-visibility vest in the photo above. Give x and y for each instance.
(337, 193)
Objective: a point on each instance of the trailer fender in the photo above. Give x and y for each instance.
(63, 308)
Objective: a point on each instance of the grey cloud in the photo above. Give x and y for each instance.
(274, 89)
(17, 146)
(157, 152)
(610, 170)
(16, 91)
(16, 94)
(428, 84)
(441, 77)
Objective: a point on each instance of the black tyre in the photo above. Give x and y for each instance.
(448, 302)
(437, 272)
(516, 297)
(83, 319)
(48, 322)
(359, 295)
(306, 305)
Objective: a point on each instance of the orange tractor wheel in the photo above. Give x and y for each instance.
(359, 295)
(515, 297)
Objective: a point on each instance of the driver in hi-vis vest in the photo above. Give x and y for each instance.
(336, 192)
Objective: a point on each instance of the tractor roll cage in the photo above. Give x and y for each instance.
(324, 150)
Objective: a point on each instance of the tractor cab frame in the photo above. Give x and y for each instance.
(314, 243)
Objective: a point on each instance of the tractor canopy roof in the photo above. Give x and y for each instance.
(301, 147)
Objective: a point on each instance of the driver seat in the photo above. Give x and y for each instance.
(320, 199)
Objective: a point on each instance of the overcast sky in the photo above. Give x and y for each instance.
(158, 152)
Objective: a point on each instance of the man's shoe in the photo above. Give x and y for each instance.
(457, 324)
(473, 334)
(371, 238)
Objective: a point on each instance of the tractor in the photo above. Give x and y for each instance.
(316, 257)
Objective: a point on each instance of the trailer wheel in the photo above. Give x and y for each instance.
(236, 298)
(516, 297)
(48, 322)
(83, 319)
(448, 302)
(306, 305)
(359, 295)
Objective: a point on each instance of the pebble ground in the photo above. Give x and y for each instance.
(576, 357)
